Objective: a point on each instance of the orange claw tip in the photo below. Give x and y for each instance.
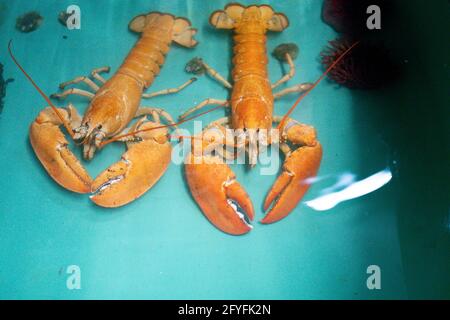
(278, 187)
(290, 187)
(220, 197)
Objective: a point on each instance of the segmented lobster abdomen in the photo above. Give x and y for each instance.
(252, 98)
(144, 61)
(117, 101)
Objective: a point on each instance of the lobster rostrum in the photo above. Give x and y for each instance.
(212, 183)
(115, 103)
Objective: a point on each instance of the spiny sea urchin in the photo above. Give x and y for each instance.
(367, 66)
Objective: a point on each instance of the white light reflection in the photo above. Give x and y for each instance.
(345, 179)
(354, 190)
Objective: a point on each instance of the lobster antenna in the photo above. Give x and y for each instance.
(283, 120)
(66, 125)
(104, 143)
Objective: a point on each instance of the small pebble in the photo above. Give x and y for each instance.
(195, 66)
(29, 22)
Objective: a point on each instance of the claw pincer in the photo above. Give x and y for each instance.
(222, 199)
(293, 183)
(51, 148)
(146, 160)
(225, 202)
(299, 167)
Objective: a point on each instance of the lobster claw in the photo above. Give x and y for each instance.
(292, 184)
(221, 198)
(51, 148)
(137, 171)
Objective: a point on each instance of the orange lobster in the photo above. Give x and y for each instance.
(111, 109)
(212, 183)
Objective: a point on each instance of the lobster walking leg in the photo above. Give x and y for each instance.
(287, 52)
(169, 91)
(96, 73)
(84, 79)
(156, 112)
(198, 66)
(287, 76)
(299, 88)
(216, 75)
(73, 91)
(204, 103)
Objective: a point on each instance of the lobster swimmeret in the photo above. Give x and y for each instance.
(211, 181)
(113, 105)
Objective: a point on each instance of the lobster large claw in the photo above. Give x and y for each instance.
(144, 163)
(51, 148)
(221, 198)
(292, 184)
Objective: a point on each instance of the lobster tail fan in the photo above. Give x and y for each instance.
(183, 33)
(230, 17)
(137, 24)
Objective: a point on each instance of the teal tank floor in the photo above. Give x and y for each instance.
(161, 246)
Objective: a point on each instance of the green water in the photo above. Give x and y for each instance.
(161, 246)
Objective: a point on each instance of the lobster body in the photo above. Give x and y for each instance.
(116, 102)
(212, 182)
(251, 97)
